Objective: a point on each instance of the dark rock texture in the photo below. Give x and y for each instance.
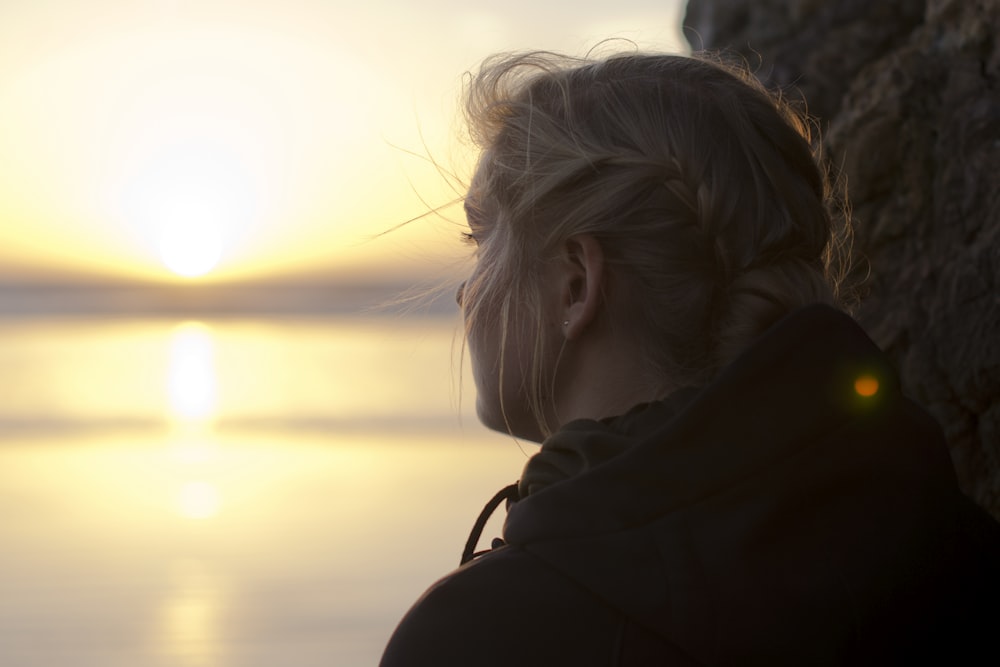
(908, 92)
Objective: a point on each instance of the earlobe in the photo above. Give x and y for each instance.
(582, 292)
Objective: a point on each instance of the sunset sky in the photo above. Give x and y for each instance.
(261, 138)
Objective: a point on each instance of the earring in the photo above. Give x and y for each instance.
(565, 323)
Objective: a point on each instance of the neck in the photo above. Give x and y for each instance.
(600, 376)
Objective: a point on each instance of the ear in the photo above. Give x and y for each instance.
(580, 286)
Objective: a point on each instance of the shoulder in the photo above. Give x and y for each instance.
(504, 608)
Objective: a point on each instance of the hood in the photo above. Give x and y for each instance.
(774, 498)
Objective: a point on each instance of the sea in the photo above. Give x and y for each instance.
(238, 491)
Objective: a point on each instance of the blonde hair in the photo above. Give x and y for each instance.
(701, 187)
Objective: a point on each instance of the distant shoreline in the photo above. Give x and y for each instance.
(21, 300)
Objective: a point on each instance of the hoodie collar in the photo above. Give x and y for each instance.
(797, 382)
(585, 444)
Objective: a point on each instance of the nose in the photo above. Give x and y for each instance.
(459, 294)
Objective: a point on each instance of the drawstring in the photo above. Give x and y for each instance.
(508, 493)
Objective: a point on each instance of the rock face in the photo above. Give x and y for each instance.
(908, 93)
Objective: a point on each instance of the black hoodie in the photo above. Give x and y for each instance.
(797, 511)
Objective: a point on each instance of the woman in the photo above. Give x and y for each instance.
(728, 472)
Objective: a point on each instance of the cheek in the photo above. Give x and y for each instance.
(501, 369)
(481, 345)
(483, 342)
(482, 351)
(484, 356)
(478, 315)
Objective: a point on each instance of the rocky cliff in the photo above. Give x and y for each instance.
(908, 93)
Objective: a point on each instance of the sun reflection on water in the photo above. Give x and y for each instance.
(191, 381)
(198, 500)
(193, 451)
(192, 393)
(190, 628)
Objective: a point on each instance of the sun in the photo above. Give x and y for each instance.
(189, 200)
(190, 244)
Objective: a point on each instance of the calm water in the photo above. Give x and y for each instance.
(231, 493)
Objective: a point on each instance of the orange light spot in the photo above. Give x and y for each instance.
(866, 386)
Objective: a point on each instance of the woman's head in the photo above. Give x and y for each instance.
(700, 188)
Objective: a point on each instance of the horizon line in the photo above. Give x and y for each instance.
(262, 299)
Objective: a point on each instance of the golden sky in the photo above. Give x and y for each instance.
(258, 138)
